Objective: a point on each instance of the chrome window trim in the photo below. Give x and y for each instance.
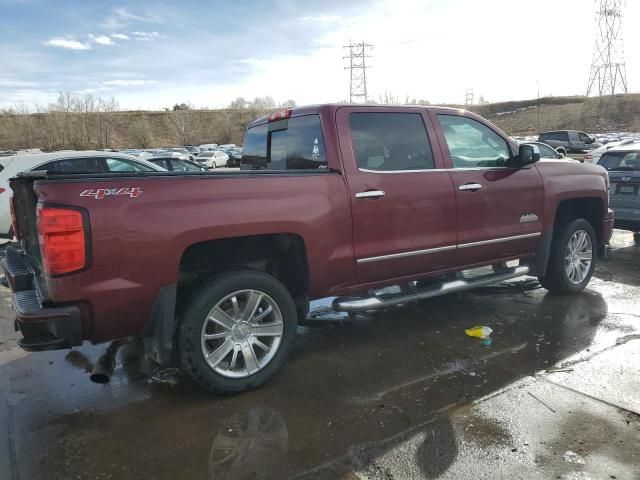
(446, 248)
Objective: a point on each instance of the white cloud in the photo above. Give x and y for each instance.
(128, 83)
(121, 17)
(145, 35)
(67, 43)
(101, 39)
(120, 36)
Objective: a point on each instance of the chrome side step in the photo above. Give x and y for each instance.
(351, 304)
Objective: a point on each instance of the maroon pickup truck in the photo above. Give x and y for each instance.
(214, 270)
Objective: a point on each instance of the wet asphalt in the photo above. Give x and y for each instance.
(401, 393)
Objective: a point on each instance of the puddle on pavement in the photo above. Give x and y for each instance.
(350, 386)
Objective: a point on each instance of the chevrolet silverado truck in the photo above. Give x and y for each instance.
(215, 270)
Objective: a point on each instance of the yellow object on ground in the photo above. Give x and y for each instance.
(479, 332)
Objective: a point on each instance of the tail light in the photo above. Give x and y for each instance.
(14, 223)
(62, 240)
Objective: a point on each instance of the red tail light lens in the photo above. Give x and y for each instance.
(62, 240)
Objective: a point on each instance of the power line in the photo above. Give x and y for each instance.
(608, 74)
(358, 71)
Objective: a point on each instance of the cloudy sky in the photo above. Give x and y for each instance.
(152, 54)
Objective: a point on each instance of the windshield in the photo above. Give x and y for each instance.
(621, 161)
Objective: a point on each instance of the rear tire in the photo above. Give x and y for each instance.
(572, 258)
(636, 237)
(246, 365)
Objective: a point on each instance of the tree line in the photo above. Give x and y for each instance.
(84, 121)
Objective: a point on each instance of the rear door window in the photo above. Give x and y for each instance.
(121, 165)
(74, 165)
(291, 144)
(386, 141)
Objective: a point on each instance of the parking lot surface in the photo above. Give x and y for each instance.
(401, 393)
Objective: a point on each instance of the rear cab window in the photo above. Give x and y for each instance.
(296, 143)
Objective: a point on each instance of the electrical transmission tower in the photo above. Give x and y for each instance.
(358, 70)
(608, 74)
(468, 96)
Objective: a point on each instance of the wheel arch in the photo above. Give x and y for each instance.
(590, 208)
(283, 255)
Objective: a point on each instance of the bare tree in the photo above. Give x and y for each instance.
(107, 108)
(181, 123)
(140, 132)
(85, 106)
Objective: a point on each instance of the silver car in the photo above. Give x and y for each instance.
(623, 165)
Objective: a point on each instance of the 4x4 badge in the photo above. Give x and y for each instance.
(100, 193)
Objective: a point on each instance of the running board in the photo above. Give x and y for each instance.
(351, 304)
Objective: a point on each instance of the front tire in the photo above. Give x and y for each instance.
(236, 331)
(572, 259)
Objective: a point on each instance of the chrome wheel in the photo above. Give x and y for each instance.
(578, 257)
(242, 333)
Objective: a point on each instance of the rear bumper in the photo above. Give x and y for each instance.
(42, 328)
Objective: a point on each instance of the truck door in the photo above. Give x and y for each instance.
(403, 204)
(499, 208)
(576, 142)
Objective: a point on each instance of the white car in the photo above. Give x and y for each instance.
(594, 155)
(213, 159)
(62, 162)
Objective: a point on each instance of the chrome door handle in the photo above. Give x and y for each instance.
(470, 186)
(370, 194)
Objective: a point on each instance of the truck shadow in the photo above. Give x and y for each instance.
(352, 391)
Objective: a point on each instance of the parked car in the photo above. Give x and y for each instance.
(62, 162)
(569, 141)
(546, 151)
(213, 159)
(235, 154)
(207, 147)
(623, 165)
(215, 271)
(594, 155)
(193, 150)
(228, 145)
(174, 164)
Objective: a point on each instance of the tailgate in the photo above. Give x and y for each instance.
(25, 203)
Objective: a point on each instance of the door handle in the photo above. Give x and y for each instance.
(370, 194)
(470, 186)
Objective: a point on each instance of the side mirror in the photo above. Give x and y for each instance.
(560, 155)
(527, 154)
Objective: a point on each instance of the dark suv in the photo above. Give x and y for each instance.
(571, 141)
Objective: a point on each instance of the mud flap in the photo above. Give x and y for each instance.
(542, 255)
(158, 331)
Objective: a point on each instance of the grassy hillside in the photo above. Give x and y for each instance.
(78, 130)
(594, 115)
